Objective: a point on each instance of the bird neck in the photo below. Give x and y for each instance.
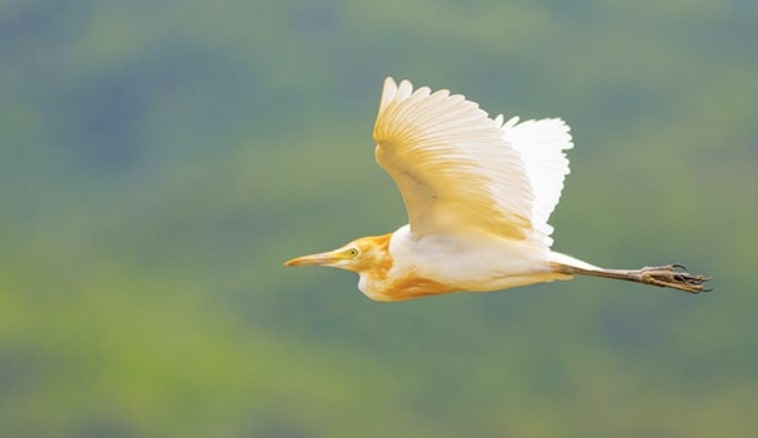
(385, 276)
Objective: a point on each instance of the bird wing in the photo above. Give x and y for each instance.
(541, 144)
(455, 170)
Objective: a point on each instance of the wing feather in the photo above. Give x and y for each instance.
(456, 172)
(541, 144)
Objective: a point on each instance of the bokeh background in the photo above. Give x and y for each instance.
(159, 160)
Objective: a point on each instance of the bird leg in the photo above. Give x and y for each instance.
(673, 276)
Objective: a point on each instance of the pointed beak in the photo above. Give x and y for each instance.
(321, 259)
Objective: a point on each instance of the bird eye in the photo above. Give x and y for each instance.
(353, 252)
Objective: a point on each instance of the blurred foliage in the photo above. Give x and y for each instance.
(160, 159)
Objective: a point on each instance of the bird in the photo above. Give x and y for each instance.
(478, 192)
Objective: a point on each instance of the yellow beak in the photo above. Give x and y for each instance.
(321, 259)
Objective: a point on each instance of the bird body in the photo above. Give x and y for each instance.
(455, 263)
(478, 193)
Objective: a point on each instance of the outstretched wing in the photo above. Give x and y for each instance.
(541, 144)
(454, 168)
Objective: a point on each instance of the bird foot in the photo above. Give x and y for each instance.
(674, 276)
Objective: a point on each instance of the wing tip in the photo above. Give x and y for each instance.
(554, 127)
(389, 90)
(404, 90)
(394, 91)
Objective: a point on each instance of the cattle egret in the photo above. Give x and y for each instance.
(478, 193)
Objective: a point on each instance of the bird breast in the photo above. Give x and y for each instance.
(437, 264)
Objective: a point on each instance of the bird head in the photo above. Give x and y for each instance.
(360, 255)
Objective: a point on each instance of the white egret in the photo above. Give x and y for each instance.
(478, 193)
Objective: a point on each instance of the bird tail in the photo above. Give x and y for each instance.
(560, 261)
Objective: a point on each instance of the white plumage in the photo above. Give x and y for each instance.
(460, 171)
(479, 194)
(541, 144)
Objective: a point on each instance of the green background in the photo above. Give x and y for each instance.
(159, 160)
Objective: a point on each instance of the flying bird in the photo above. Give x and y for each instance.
(478, 193)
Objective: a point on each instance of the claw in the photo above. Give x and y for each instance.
(666, 276)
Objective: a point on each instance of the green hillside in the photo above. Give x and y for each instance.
(160, 160)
